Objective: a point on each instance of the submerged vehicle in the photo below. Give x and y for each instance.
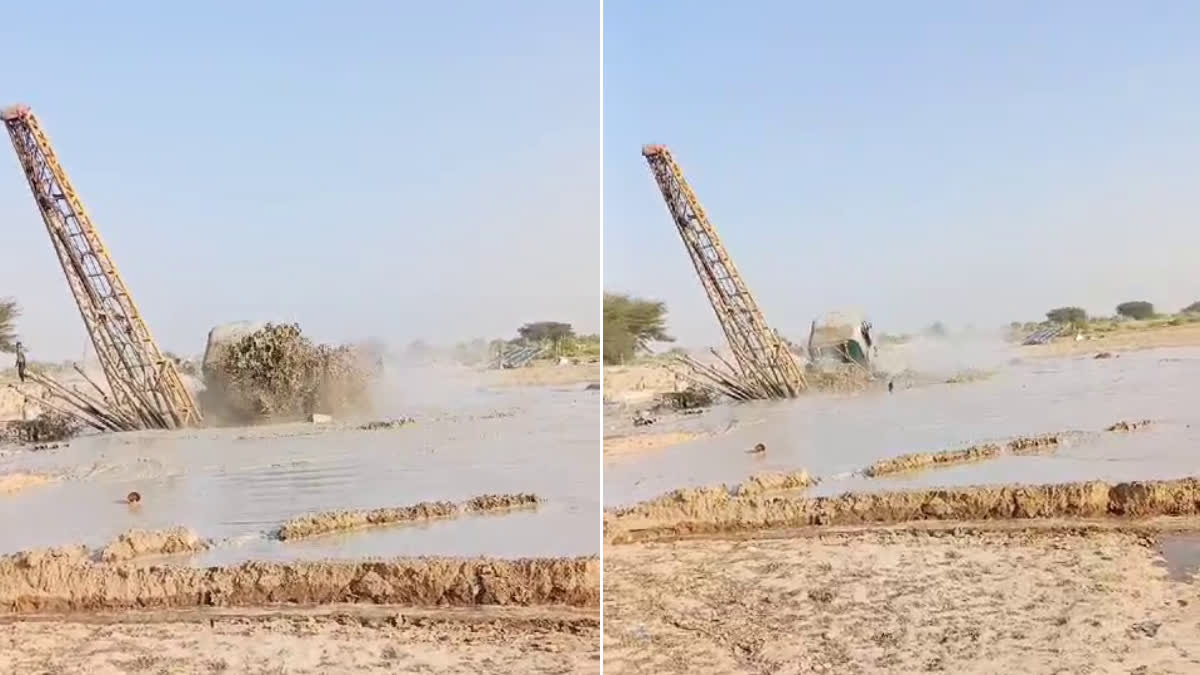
(842, 337)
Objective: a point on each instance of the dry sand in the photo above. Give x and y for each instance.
(1131, 339)
(899, 601)
(544, 374)
(341, 521)
(328, 641)
(638, 383)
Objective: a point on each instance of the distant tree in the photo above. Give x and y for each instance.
(630, 325)
(1136, 309)
(1193, 308)
(1070, 315)
(937, 329)
(545, 331)
(9, 311)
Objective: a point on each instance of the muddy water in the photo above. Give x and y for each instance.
(237, 484)
(833, 437)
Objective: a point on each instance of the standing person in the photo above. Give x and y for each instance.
(20, 362)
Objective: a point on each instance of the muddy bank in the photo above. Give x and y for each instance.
(15, 482)
(137, 543)
(340, 521)
(712, 510)
(772, 481)
(68, 580)
(924, 460)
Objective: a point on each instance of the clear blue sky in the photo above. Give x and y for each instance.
(970, 162)
(389, 169)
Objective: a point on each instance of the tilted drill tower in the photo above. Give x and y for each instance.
(145, 387)
(765, 368)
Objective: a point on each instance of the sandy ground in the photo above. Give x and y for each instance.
(899, 601)
(1186, 335)
(545, 374)
(383, 640)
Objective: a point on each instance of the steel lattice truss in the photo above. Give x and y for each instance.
(765, 367)
(146, 389)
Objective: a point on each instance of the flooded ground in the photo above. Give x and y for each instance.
(833, 437)
(236, 485)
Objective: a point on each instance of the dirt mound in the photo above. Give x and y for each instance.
(1129, 426)
(697, 510)
(338, 521)
(66, 580)
(276, 373)
(770, 481)
(135, 543)
(1025, 445)
(924, 460)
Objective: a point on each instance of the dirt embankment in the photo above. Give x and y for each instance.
(924, 460)
(60, 580)
(714, 510)
(339, 521)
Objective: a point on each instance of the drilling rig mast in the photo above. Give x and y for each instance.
(765, 368)
(145, 388)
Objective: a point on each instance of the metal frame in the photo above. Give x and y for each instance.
(144, 384)
(763, 360)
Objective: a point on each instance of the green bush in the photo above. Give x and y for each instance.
(1136, 309)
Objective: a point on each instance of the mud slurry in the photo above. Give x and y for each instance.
(717, 510)
(340, 521)
(68, 580)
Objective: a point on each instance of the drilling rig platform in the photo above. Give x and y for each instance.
(763, 367)
(145, 390)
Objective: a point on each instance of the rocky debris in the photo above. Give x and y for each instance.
(1129, 426)
(1031, 445)
(641, 421)
(136, 543)
(338, 521)
(59, 580)
(47, 428)
(708, 510)
(592, 386)
(378, 425)
(690, 398)
(1104, 355)
(499, 502)
(772, 481)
